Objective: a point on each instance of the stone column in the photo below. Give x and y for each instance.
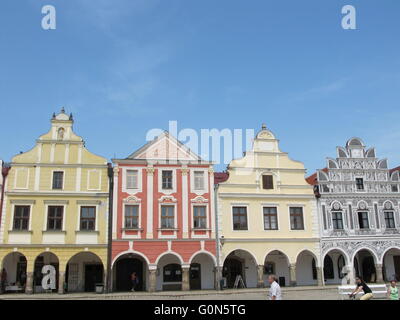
(29, 283)
(152, 279)
(260, 276)
(292, 269)
(61, 280)
(185, 278)
(320, 281)
(379, 273)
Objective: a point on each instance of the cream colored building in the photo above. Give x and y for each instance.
(55, 212)
(267, 219)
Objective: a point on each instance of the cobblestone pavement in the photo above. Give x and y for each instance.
(298, 293)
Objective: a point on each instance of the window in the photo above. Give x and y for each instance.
(199, 217)
(131, 179)
(360, 183)
(296, 218)
(167, 179)
(55, 218)
(21, 217)
(268, 182)
(389, 220)
(363, 220)
(131, 217)
(88, 218)
(239, 218)
(270, 218)
(167, 217)
(199, 180)
(337, 220)
(58, 177)
(172, 273)
(328, 268)
(395, 188)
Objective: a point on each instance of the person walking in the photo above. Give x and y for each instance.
(275, 288)
(393, 291)
(361, 285)
(134, 280)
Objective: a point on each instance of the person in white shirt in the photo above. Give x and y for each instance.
(275, 289)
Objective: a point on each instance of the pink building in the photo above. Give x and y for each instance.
(163, 221)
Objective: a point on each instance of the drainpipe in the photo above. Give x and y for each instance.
(217, 240)
(110, 226)
(4, 172)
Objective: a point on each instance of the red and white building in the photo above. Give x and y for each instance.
(163, 219)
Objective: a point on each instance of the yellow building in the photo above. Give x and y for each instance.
(267, 217)
(55, 213)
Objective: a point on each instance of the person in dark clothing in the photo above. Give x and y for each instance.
(361, 285)
(134, 280)
(3, 280)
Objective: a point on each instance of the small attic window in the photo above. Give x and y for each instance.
(60, 134)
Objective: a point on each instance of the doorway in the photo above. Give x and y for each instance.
(195, 276)
(232, 268)
(125, 268)
(93, 275)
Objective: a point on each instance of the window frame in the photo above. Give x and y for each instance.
(48, 218)
(269, 215)
(163, 186)
(302, 228)
(137, 217)
(360, 186)
(390, 219)
(81, 219)
(21, 218)
(240, 215)
(127, 175)
(267, 185)
(335, 220)
(162, 218)
(358, 219)
(204, 218)
(203, 180)
(53, 180)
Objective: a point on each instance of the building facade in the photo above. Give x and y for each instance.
(163, 221)
(267, 219)
(358, 203)
(55, 213)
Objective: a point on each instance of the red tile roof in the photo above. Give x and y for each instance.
(313, 178)
(394, 169)
(220, 177)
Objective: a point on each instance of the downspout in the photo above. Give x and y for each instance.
(4, 173)
(217, 240)
(110, 226)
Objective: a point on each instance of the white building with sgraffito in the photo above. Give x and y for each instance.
(358, 204)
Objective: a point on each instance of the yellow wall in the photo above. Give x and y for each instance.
(30, 182)
(244, 188)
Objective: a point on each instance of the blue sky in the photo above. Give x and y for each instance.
(124, 67)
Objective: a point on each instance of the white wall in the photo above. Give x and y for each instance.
(304, 273)
(207, 270)
(281, 267)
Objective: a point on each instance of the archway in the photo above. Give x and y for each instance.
(202, 272)
(169, 272)
(84, 270)
(335, 267)
(43, 259)
(391, 264)
(306, 269)
(14, 265)
(240, 262)
(276, 262)
(364, 265)
(123, 269)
